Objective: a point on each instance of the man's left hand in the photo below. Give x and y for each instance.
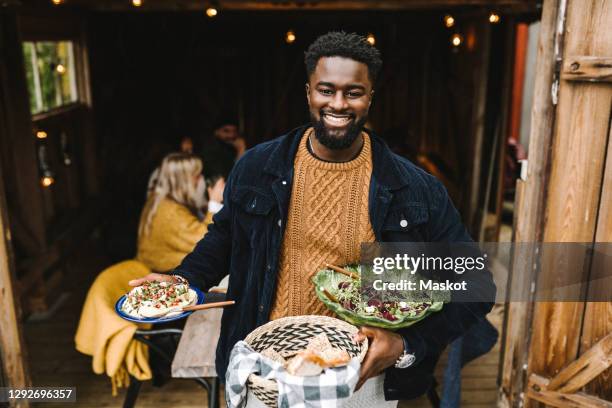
(384, 349)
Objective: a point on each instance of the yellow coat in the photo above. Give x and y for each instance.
(173, 233)
(107, 337)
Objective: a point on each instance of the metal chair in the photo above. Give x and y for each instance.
(211, 385)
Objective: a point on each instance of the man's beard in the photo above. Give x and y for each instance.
(334, 142)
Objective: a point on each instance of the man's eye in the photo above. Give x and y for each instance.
(354, 94)
(326, 91)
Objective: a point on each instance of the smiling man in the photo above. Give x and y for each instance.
(313, 196)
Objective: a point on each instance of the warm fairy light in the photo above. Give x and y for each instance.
(46, 181)
(290, 37)
(371, 39)
(41, 134)
(449, 20)
(60, 69)
(57, 2)
(137, 3)
(494, 18)
(456, 40)
(211, 12)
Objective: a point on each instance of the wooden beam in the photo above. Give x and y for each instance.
(538, 390)
(530, 207)
(592, 363)
(591, 69)
(576, 181)
(504, 6)
(12, 350)
(598, 315)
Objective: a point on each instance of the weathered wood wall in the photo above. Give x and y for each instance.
(567, 198)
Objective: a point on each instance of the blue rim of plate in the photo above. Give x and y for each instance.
(151, 320)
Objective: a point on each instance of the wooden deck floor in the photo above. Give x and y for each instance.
(55, 362)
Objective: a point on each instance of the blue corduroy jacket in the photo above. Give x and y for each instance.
(405, 204)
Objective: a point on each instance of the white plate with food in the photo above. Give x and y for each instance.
(157, 302)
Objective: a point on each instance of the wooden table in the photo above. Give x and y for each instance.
(195, 355)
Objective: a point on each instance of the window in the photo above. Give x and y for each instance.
(50, 73)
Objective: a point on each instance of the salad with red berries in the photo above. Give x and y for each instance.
(366, 306)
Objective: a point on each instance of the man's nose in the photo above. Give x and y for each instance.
(338, 102)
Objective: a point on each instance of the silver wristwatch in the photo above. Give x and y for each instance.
(406, 359)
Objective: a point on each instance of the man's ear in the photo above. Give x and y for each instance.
(371, 97)
(307, 92)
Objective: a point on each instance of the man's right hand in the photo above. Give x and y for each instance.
(159, 277)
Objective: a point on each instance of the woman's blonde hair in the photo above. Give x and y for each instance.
(175, 180)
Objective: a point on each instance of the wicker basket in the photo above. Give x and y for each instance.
(291, 334)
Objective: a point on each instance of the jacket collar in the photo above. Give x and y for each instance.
(386, 169)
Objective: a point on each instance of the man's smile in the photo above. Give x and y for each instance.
(336, 120)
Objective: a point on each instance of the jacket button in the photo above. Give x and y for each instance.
(261, 308)
(284, 183)
(403, 223)
(268, 267)
(279, 222)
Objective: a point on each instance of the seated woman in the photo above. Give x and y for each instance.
(171, 222)
(169, 229)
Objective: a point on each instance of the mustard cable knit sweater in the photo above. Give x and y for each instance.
(328, 220)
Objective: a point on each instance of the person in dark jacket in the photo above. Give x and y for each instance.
(221, 151)
(313, 196)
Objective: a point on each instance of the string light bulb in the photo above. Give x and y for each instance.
(137, 3)
(371, 39)
(41, 134)
(290, 37)
(61, 69)
(456, 40)
(449, 21)
(57, 2)
(46, 181)
(211, 12)
(494, 18)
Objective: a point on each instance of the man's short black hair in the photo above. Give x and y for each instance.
(225, 118)
(347, 45)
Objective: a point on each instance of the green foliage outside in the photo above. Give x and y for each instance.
(50, 74)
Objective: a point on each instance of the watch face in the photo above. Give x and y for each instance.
(406, 361)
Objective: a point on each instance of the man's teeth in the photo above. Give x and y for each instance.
(338, 120)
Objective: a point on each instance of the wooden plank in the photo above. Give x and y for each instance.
(477, 125)
(303, 5)
(13, 360)
(592, 69)
(598, 315)
(538, 390)
(530, 209)
(593, 362)
(579, 149)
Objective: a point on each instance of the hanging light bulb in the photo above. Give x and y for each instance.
(456, 40)
(137, 3)
(61, 69)
(57, 2)
(290, 37)
(449, 21)
(41, 134)
(211, 12)
(46, 181)
(371, 39)
(494, 18)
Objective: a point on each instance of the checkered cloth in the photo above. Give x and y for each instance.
(327, 390)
